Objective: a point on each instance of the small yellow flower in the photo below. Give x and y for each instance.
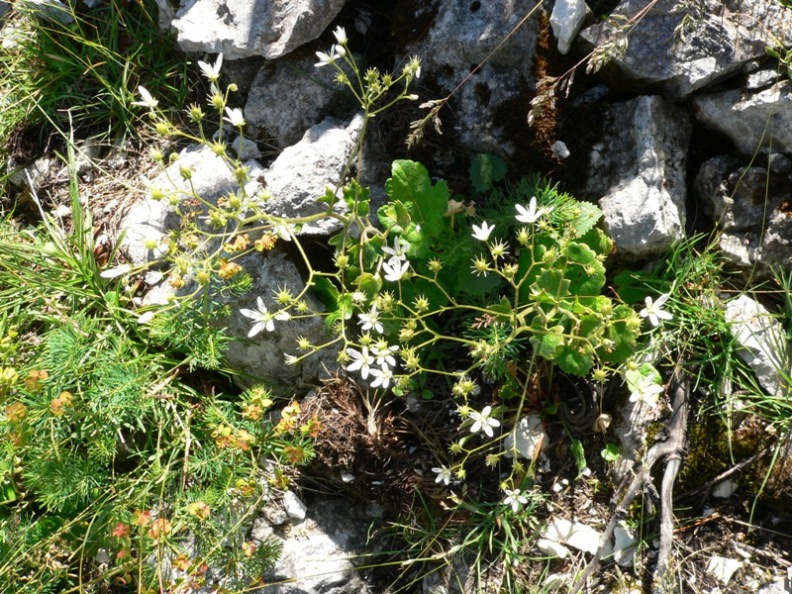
(9, 376)
(176, 281)
(228, 269)
(341, 261)
(249, 548)
(498, 249)
(252, 411)
(141, 518)
(218, 148)
(266, 242)
(196, 113)
(198, 509)
(283, 296)
(406, 334)
(480, 266)
(239, 244)
(294, 454)
(33, 381)
(510, 271)
(162, 128)
(15, 412)
(160, 529)
(217, 219)
(60, 403)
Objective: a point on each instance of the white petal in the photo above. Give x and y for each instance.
(115, 272)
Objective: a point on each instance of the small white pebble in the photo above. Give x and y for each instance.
(560, 149)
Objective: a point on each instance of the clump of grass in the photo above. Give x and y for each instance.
(87, 71)
(116, 468)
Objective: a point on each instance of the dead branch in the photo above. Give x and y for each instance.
(675, 447)
(671, 449)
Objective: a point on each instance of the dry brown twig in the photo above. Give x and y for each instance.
(671, 449)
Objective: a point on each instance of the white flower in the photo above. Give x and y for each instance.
(291, 360)
(359, 297)
(370, 320)
(212, 72)
(263, 318)
(384, 354)
(115, 272)
(284, 231)
(325, 59)
(654, 310)
(514, 498)
(530, 215)
(146, 317)
(414, 67)
(399, 249)
(361, 361)
(146, 99)
(382, 378)
(483, 232)
(340, 35)
(443, 475)
(395, 269)
(483, 421)
(645, 389)
(234, 116)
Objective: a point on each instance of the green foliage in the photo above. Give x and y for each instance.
(485, 171)
(105, 447)
(480, 302)
(85, 72)
(783, 55)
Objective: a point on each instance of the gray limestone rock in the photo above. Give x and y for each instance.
(662, 53)
(303, 172)
(51, 10)
(289, 96)
(463, 36)
(753, 208)
(264, 356)
(242, 28)
(149, 221)
(147, 224)
(566, 20)
(762, 342)
(637, 170)
(757, 121)
(165, 14)
(319, 553)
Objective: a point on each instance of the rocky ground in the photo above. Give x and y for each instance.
(685, 129)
